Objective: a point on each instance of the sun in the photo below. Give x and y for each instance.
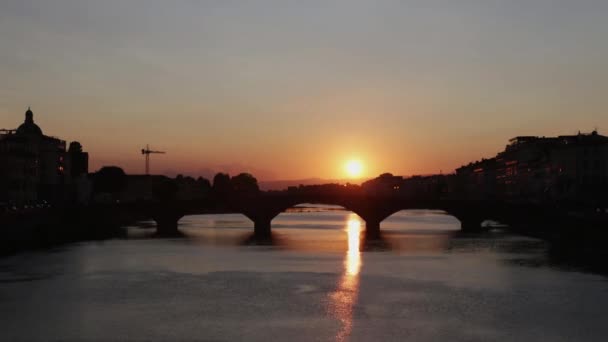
(354, 168)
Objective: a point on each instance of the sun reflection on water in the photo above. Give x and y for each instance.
(342, 301)
(353, 256)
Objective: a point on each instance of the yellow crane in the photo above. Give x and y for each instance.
(146, 151)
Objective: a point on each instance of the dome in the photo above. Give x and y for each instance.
(29, 127)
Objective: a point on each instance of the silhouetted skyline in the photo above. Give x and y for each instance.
(295, 90)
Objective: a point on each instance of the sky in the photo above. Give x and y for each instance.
(294, 89)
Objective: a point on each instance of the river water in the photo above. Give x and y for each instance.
(318, 282)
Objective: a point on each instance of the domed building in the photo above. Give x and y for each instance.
(34, 166)
(28, 127)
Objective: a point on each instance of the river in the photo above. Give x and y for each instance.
(319, 282)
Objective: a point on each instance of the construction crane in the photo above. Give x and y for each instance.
(147, 152)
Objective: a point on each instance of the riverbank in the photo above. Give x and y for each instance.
(46, 227)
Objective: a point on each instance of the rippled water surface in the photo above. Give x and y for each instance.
(319, 282)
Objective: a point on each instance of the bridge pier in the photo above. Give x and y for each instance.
(472, 225)
(166, 223)
(372, 230)
(470, 218)
(261, 228)
(167, 227)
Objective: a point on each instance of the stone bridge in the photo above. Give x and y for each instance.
(262, 208)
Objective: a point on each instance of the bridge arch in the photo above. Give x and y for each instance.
(371, 210)
(262, 209)
(262, 214)
(412, 220)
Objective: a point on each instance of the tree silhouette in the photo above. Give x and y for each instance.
(245, 183)
(221, 184)
(109, 179)
(203, 184)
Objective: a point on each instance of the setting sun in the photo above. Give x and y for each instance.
(354, 168)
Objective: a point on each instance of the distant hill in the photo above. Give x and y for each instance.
(284, 184)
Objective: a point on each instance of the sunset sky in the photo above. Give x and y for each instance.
(295, 89)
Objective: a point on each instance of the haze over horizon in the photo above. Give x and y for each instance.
(293, 90)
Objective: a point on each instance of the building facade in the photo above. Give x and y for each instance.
(530, 169)
(34, 166)
(568, 167)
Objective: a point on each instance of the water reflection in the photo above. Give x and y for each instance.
(353, 256)
(342, 301)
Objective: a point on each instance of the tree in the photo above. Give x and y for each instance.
(221, 184)
(109, 179)
(203, 184)
(244, 183)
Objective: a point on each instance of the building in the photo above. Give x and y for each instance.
(33, 166)
(429, 186)
(479, 179)
(19, 175)
(385, 184)
(77, 161)
(568, 167)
